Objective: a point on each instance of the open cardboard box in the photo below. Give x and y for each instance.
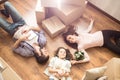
(7, 73)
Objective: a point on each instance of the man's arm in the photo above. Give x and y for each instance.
(37, 28)
(34, 28)
(22, 38)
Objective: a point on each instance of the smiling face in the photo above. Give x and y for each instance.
(44, 51)
(62, 53)
(71, 38)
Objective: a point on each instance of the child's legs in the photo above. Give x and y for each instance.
(5, 25)
(13, 12)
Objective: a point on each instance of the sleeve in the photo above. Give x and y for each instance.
(80, 47)
(52, 61)
(24, 50)
(42, 39)
(68, 66)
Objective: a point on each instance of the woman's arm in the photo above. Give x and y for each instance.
(90, 26)
(86, 58)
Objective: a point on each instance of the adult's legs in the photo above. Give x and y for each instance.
(16, 17)
(4, 25)
(108, 34)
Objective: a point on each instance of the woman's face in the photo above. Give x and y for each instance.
(71, 38)
(62, 53)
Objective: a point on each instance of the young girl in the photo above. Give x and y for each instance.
(59, 66)
(85, 40)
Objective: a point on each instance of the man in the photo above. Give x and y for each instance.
(29, 41)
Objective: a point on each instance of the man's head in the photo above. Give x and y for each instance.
(43, 58)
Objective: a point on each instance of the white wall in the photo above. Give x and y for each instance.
(112, 7)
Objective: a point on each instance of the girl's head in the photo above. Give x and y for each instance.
(70, 37)
(63, 53)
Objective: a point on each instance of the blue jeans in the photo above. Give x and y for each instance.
(16, 17)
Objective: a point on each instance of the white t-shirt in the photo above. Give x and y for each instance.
(33, 38)
(57, 63)
(88, 40)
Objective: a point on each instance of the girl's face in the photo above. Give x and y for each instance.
(62, 53)
(71, 38)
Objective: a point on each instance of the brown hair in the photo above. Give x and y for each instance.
(68, 54)
(70, 31)
(41, 59)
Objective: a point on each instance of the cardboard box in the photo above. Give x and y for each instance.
(8, 73)
(73, 2)
(68, 13)
(49, 3)
(57, 3)
(39, 12)
(53, 26)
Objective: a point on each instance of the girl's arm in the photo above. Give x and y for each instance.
(51, 70)
(66, 74)
(37, 28)
(86, 59)
(58, 72)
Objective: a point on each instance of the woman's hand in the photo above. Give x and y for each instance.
(73, 61)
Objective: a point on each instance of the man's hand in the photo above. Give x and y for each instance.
(27, 29)
(24, 37)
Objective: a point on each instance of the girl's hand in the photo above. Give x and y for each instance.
(61, 72)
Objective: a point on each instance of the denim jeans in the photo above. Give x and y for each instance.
(16, 17)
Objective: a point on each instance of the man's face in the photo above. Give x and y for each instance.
(44, 51)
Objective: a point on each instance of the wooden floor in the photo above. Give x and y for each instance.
(29, 69)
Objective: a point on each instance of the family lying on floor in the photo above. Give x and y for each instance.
(31, 41)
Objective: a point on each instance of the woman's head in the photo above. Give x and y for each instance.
(70, 37)
(63, 53)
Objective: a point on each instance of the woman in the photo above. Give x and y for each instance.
(29, 40)
(59, 66)
(85, 40)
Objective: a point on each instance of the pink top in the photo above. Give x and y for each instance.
(88, 40)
